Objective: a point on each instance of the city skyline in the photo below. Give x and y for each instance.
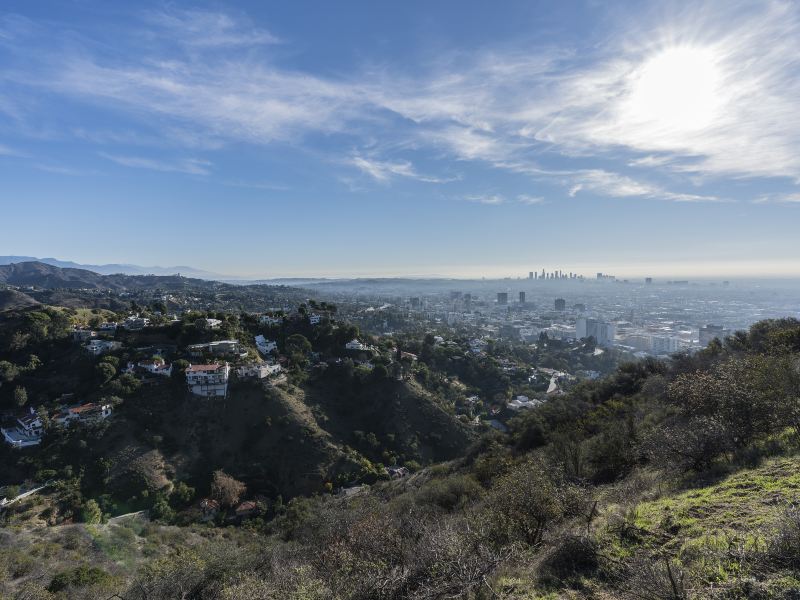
(456, 140)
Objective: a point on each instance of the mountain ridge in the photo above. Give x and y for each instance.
(115, 268)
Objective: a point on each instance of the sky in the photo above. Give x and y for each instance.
(448, 138)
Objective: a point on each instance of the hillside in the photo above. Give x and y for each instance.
(81, 288)
(667, 480)
(113, 269)
(12, 300)
(43, 275)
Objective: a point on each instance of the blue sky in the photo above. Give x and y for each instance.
(374, 138)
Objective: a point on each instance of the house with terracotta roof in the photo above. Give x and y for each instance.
(209, 507)
(208, 380)
(82, 413)
(248, 508)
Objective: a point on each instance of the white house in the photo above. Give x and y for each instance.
(314, 319)
(264, 345)
(257, 371)
(354, 344)
(135, 323)
(28, 431)
(270, 320)
(97, 347)
(477, 345)
(208, 380)
(155, 366)
(521, 402)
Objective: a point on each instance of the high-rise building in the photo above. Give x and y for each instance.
(561, 304)
(664, 344)
(648, 280)
(502, 297)
(710, 332)
(602, 331)
(530, 275)
(522, 297)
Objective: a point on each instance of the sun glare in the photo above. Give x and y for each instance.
(676, 89)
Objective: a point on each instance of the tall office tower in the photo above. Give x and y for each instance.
(648, 280)
(522, 297)
(502, 298)
(561, 304)
(530, 275)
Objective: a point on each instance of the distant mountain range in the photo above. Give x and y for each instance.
(114, 269)
(42, 275)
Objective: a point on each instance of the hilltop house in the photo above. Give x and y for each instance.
(208, 380)
(29, 428)
(97, 347)
(264, 345)
(314, 319)
(220, 348)
(27, 432)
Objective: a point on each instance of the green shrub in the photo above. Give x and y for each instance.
(82, 576)
(450, 493)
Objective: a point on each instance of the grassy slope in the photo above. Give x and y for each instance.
(713, 531)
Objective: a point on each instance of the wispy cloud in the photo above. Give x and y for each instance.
(530, 200)
(383, 171)
(61, 170)
(8, 151)
(790, 198)
(515, 108)
(491, 199)
(615, 185)
(204, 28)
(191, 166)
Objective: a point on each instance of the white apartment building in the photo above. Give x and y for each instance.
(602, 331)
